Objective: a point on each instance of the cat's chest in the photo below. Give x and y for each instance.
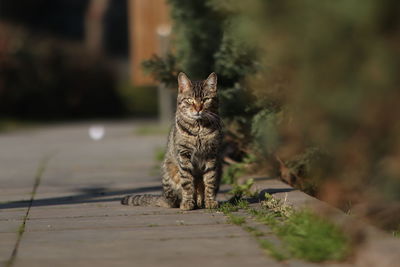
(201, 142)
(205, 137)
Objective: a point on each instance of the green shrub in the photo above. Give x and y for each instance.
(311, 83)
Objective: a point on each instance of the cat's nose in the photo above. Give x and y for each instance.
(198, 107)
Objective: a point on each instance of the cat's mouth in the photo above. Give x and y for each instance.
(197, 116)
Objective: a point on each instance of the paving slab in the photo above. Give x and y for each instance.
(75, 217)
(127, 221)
(164, 246)
(7, 244)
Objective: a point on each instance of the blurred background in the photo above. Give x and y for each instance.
(309, 89)
(77, 59)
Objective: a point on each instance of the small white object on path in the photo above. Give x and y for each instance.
(96, 132)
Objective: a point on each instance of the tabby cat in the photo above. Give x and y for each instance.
(191, 170)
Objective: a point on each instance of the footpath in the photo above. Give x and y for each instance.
(59, 204)
(60, 191)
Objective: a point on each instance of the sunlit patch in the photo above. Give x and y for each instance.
(96, 132)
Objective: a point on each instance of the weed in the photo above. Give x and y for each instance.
(152, 225)
(235, 170)
(227, 208)
(253, 231)
(235, 219)
(243, 190)
(242, 204)
(277, 206)
(268, 218)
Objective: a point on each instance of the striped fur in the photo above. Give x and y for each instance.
(144, 200)
(191, 170)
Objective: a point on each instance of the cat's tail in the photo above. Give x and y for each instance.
(144, 200)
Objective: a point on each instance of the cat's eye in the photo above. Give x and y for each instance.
(206, 100)
(189, 100)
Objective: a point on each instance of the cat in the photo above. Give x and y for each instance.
(191, 170)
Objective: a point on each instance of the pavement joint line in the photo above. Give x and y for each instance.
(108, 216)
(38, 176)
(127, 227)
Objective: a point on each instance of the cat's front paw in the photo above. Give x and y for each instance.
(199, 201)
(187, 205)
(211, 204)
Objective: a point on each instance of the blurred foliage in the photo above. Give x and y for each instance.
(201, 46)
(243, 190)
(139, 100)
(339, 90)
(310, 237)
(311, 86)
(236, 169)
(163, 70)
(46, 78)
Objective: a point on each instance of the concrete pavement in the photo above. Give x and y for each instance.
(59, 205)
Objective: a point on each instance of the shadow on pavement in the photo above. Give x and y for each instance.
(272, 191)
(88, 195)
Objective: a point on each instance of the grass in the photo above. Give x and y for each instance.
(272, 250)
(265, 217)
(254, 231)
(227, 208)
(313, 238)
(234, 206)
(235, 219)
(303, 234)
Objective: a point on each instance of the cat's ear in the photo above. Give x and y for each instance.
(211, 81)
(184, 84)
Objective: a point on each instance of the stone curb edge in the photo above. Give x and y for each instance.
(374, 247)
